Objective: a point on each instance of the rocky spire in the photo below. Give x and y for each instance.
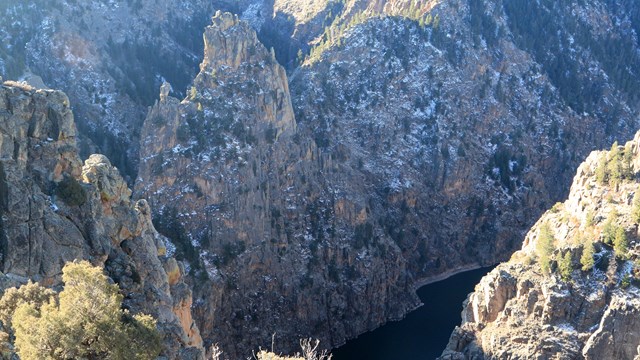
(232, 52)
(249, 201)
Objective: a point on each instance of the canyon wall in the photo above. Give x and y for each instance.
(54, 210)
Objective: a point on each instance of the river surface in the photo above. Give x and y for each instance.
(422, 334)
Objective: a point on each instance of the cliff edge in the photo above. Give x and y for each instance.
(572, 291)
(55, 209)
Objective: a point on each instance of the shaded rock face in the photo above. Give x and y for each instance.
(228, 168)
(38, 148)
(464, 134)
(518, 311)
(111, 57)
(55, 209)
(110, 79)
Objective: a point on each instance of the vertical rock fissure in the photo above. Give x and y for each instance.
(4, 206)
(29, 240)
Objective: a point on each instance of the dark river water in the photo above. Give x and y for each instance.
(423, 333)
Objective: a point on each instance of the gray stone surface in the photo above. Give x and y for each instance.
(40, 232)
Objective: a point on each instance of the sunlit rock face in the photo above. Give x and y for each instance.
(229, 165)
(54, 210)
(584, 312)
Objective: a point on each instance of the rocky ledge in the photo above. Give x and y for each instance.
(54, 210)
(572, 291)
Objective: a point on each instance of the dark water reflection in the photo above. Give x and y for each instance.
(422, 334)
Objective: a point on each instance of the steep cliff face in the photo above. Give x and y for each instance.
(586, 305)
(419, 147)
(110, 79)
(231, 176)
(98, 52)
(465, 127)
(293, 27)
(419, 141)
(54, 209)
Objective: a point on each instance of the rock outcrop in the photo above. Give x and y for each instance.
(586, 305)
(228, 172)
(54, 210)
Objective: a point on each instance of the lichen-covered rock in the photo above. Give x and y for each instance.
(98, 171)
(37, 146)
(41, 228)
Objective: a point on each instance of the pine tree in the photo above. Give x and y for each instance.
(565, 266)
(193, 93)
(589, 219)
(615, 165)
(609, 228)
(615, 173)
(602, 176)
(436, 22)
(30, 293)
(86, 323)
(428, 20)
(586, 260)
(412, 9)
(545, 247)
(620, 243)
(614, 151)
(627, 164)
(635, 211)
(417, 12)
